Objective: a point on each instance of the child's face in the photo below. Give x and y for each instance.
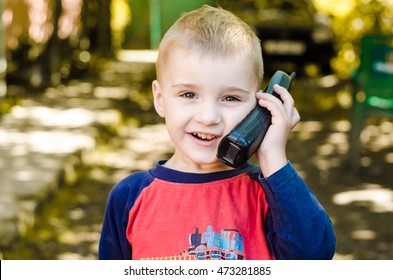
(202, 97)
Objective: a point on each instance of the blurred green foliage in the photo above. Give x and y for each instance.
(351, 19)
(109, 25)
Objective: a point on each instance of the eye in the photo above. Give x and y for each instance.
(188, 94)
(231, 98)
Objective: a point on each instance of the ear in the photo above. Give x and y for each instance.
(158, 99)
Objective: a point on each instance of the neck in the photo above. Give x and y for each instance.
(194, 167)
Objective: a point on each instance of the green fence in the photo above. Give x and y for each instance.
(151, 19)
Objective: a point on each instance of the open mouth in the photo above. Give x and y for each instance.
(203, 136)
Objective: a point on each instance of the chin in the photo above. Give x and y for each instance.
(206, 161)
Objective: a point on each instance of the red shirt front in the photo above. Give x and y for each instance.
(220, 219)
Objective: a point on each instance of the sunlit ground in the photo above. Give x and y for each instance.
(359, 204)
(112, 118)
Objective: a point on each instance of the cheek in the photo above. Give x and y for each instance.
(234, 117)
(174, 111)
(175, 119)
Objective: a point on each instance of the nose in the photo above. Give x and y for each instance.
(208, 113)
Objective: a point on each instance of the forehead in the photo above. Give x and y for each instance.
(180, 57)
(208, 71)
(184, 57)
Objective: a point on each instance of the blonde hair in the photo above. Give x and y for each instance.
(214, 31)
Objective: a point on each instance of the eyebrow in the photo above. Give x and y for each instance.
(226, 89)
(236, 89)
(193, 86)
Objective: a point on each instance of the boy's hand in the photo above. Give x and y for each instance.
(271, 154)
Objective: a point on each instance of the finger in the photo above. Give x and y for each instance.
(269, 97)
(284, 94)
(273, 104)
(287, 99)
(285, 107)
(295, 118)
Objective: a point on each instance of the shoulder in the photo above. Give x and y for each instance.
(133, 182)
(127, 190)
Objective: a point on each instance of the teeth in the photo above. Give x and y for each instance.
(204, 136)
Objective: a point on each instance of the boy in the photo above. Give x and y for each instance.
(192, 206)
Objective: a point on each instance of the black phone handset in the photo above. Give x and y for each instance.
(244, 140)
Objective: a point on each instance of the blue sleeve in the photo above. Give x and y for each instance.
(297, 226)
(113, 243)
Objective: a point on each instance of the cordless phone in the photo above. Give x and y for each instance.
(244, 140)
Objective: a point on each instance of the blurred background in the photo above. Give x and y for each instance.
(76, 114)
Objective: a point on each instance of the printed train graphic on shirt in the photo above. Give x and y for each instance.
(210, 245)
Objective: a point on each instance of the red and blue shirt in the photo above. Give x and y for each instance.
(162, 213)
